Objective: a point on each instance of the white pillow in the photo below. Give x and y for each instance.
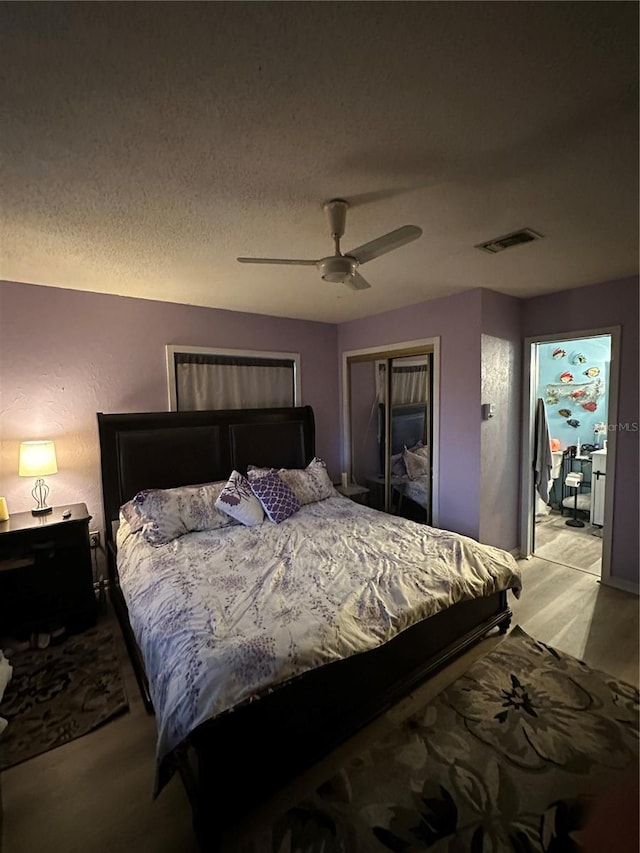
(165, 514)
(416, 462)
(238, 501)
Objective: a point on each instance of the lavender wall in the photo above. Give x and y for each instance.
(456, 320)
(500, 436)
(65, 355)
(596, 306)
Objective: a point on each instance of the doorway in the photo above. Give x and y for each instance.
(572, 382)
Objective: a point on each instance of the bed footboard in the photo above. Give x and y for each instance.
(243, 757)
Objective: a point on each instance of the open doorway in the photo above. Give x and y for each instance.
(567, 511)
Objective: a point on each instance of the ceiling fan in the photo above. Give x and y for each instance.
(343, 268)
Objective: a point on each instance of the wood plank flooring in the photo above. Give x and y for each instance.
(94, 794)
(579, 547)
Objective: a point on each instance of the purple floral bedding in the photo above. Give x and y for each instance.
(224, 615)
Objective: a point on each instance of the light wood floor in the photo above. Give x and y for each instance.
(579, 547)
(93, 795)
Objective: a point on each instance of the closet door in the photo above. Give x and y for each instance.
(408, 473)
(390, 445)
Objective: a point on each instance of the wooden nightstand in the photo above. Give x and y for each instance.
(353, 491)
(46, 577)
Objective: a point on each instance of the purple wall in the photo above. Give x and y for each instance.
(66, 354)
(500, 436)
(456, 320)
(593, 307)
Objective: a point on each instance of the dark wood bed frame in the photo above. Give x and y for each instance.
(233, 762)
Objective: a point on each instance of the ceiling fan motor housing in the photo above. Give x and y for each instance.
(336, 211)
(337, 268)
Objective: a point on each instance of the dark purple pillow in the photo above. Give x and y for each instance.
(276, 497)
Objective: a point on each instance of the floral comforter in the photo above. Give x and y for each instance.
(223, 615)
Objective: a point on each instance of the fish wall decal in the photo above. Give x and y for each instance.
(566, 377)
(565, 413)
(558, 353)
(590, 407)
(573, 422)
(592, 371)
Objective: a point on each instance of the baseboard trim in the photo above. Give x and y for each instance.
(515, 552)
(618, 583)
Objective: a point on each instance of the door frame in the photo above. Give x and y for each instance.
(398, 350)
(527, 443)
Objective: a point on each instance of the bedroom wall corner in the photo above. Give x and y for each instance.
(456, 320)
(67, 354)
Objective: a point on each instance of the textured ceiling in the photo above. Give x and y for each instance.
(146, 145)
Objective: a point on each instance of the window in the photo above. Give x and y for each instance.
(202, 378)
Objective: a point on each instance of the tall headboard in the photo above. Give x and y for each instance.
(161, 450)
(408, 423)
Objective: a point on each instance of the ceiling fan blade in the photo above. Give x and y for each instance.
(357, 282)
(387, 243)
(296, 261)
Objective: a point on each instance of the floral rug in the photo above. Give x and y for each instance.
(60, 693)
(508, 758)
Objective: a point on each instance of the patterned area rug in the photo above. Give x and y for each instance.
(60, 693)
(508, 758)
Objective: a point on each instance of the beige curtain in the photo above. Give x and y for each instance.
(409, 384)
(216, 382)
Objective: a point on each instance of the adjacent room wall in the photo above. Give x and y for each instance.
(456, 320)
(596, 306)
(66, 354)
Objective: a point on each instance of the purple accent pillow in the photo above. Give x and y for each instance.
(239, 502)
(308, 484)
(276, 497)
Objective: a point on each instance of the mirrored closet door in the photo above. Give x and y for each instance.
(391, 443)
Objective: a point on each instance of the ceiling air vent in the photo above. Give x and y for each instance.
(516, 238)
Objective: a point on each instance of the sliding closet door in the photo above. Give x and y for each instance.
(409, 430)
(390, 445)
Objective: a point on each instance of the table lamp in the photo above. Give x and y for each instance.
(38, 459)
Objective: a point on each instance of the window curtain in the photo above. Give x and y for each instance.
(226, 382)
(409, 384)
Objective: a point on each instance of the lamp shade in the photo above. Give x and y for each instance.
(37, 459)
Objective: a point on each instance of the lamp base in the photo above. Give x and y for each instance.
(40, 494)
(574, 522)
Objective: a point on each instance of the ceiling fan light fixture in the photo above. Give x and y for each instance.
(337, 269)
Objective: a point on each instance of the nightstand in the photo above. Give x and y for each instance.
(353, 491)
(46, 577)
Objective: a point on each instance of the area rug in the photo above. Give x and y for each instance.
(510, 757)
(60, 693)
